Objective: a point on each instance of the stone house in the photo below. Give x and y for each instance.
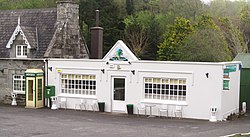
(29, 36)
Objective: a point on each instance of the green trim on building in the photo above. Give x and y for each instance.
(33, 74)
(244, 78)
(35, 92)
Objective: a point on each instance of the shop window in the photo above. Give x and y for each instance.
(165, 89)
(19, 84)
(78, 84)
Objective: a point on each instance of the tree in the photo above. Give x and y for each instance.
(109, 20)
(143, 32)
(155, 33)
(130, 6)
(26, 4)
(226, 8)
(136, 27)
(245, 24)
(174, 39)
(205, 22)
(205, 45)
(233, 36)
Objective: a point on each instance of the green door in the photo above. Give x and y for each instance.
(245, 87)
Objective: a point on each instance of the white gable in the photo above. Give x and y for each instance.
(15, 33)
(120, 52)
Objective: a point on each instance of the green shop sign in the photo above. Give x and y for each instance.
(231, 68)
(30, 74)
(33, 74)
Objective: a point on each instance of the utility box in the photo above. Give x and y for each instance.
(49, 91)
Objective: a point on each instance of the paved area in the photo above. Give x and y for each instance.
(21, 122)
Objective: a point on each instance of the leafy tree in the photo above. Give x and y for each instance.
(206, 45)
(245, 24)
(202, 41)
(234, 37)
(174, 39)
(155, 33)
(205, 22)
(109, 20)
(189, 9)
(136, 28)
(26, 4)
(143, 32)
(130, 6)
(161, 29)
(236, 12)
(226, 8)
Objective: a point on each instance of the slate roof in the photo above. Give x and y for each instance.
(30, 19)
(244, 58)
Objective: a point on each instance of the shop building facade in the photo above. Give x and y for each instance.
(120, 79)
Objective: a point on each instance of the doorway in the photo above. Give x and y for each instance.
(119, 94)
(30, 95)
(34, 88)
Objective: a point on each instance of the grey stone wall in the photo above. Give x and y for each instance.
(67, 41)
(10, 67)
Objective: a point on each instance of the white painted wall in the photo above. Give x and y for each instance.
(230, 98)
(202, 92)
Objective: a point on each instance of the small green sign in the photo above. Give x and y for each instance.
(226, 73)
(226, 84)
(231, 68)
(30, 74)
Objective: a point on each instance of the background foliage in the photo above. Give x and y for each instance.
(186, 30)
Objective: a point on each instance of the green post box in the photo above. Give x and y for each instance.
(49, 91)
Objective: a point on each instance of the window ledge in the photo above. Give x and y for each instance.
(167, 102)
(21, 57)
(77, 96)
(19, 92)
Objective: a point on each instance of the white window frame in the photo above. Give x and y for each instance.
(22, 54)
(19, 80)
(78, 84)
(165, 89)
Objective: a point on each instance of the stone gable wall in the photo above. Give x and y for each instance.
(10, 67)
(67, 41)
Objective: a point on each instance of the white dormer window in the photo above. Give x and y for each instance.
(21, 51)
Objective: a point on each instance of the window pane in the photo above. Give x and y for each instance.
(40, 89)
(226, 84)
(24, 50)
(19, 50)
(18, 83)
(165, 89)
(74, 84)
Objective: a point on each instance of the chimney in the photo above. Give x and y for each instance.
(67, 41)
(96, 39)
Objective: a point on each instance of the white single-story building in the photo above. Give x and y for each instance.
(120, 79)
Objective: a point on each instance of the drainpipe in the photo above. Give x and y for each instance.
(46, 71)
(45, 79)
